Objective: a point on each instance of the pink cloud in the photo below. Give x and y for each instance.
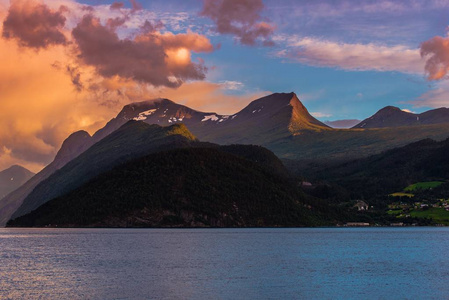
(435, 98)
(240, 18)
(361, 57)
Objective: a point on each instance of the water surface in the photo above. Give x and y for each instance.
(309, 263)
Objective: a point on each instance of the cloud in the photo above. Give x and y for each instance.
(232, 85)
(151, 57)
(358, 57)
(240, 18)
(135, 5)
(39, 105)
(436, 53)
(34, 25)
(437, 97)
(327, 9)
(320, 115)
(117, 5)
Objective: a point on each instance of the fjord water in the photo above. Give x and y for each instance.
(305, 263)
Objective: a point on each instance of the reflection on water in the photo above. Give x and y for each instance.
(347, 263)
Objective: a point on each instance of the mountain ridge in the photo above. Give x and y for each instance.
(69, 150)
(131, 140)
(282, 113)
(391, 116)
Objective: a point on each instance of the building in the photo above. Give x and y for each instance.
(361, 205)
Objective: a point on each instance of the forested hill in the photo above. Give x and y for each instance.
(191, 187)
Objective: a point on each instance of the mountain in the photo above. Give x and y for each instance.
(71, 147)
(132, 140)
(12, 178)
(393, 170)
(391, 116)
(342, 123)
(265, 119)
(190, 187)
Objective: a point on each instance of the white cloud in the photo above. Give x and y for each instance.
(232, 85)
(320, 115)
(357, 57)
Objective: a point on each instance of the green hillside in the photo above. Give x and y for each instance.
(423, 186)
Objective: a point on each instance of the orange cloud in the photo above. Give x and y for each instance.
(436, 51)
(40, 106)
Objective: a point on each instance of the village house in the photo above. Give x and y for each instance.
(361, 205)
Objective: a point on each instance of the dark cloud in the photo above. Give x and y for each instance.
(116, 22)
(34, 25)
(241, 18)
(151, 57)
(436, 51)
(117, 5)
(75, 76)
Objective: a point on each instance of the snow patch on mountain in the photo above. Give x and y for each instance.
(210, 117)
(143, 115)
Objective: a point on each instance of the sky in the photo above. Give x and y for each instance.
(70, 65)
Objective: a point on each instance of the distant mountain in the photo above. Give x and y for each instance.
(12, 178)
(342, 123)
(391, 116)
(134, 139)
(265, 119)
(75, 144)
(227, 186)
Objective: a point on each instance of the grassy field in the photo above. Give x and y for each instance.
(422, 186)
(439, 215)
(402, 194)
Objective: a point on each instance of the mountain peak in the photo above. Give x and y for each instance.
(301, 118)
(75, 144)
(12, 178)
(390, 110)
(16, 168)
(391, 116)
